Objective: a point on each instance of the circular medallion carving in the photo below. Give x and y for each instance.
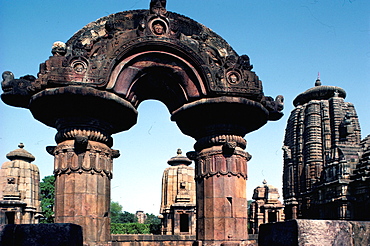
(158, 27)
(79, 66)
(233, 77)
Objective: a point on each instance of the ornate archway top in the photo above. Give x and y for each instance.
(139, 55)
(104, 43)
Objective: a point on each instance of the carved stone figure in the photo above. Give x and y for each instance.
(158, 6)
(17, 92)
(59, 49)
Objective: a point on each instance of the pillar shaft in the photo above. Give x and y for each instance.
(221, 175)
(83, 171)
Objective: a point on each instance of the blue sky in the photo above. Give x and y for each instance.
(288, 42)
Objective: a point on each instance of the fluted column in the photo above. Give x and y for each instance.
(83, 170)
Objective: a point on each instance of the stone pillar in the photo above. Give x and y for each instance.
(83, 170)
(221, 175)
(85, 119)
(219, 125)
(266, 216)
(294, 212)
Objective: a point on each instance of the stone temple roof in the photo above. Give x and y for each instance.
(266, 185)
(20, 154)
(179, 159)
(319, 92)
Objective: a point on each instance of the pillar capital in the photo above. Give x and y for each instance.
(83, 129)
(209, 117)
(228, 142)
(213, 161)
(83, 107)
(96, 158)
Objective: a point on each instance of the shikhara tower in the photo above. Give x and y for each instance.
(322, 151)
(19, 189)
(178, 197)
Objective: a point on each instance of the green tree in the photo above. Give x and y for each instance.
(117, 216)
(115, 211)
(47, 199)
(127, 217)
(129, 228)
(154, 223)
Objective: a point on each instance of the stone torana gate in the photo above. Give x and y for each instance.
(92, 85)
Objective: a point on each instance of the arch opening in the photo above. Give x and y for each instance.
(149, 140)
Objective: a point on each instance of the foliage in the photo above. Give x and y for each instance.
(154, 223)
(126, 222)
(127, 217)
(249, 203)
(115, 211)
(117, 216)
(129, 228)
(47, 199)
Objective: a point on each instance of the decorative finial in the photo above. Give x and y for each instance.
(59, 48)
(21, 145)
(264, 181)
(158, 7)
(179, 151)
(318, 81)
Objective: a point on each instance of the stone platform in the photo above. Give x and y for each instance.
(315, 232)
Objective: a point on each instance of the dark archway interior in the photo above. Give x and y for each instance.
(159, 83)
(160, 76)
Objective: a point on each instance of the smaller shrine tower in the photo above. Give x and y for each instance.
(266, 207)
(141, 216)
(19, 189)
(178, 197)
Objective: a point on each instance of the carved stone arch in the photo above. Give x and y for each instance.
(158, 71)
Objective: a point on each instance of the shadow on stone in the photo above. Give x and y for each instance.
(41, 235)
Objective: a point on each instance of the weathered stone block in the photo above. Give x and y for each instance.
(41, 235)
(315, 232)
